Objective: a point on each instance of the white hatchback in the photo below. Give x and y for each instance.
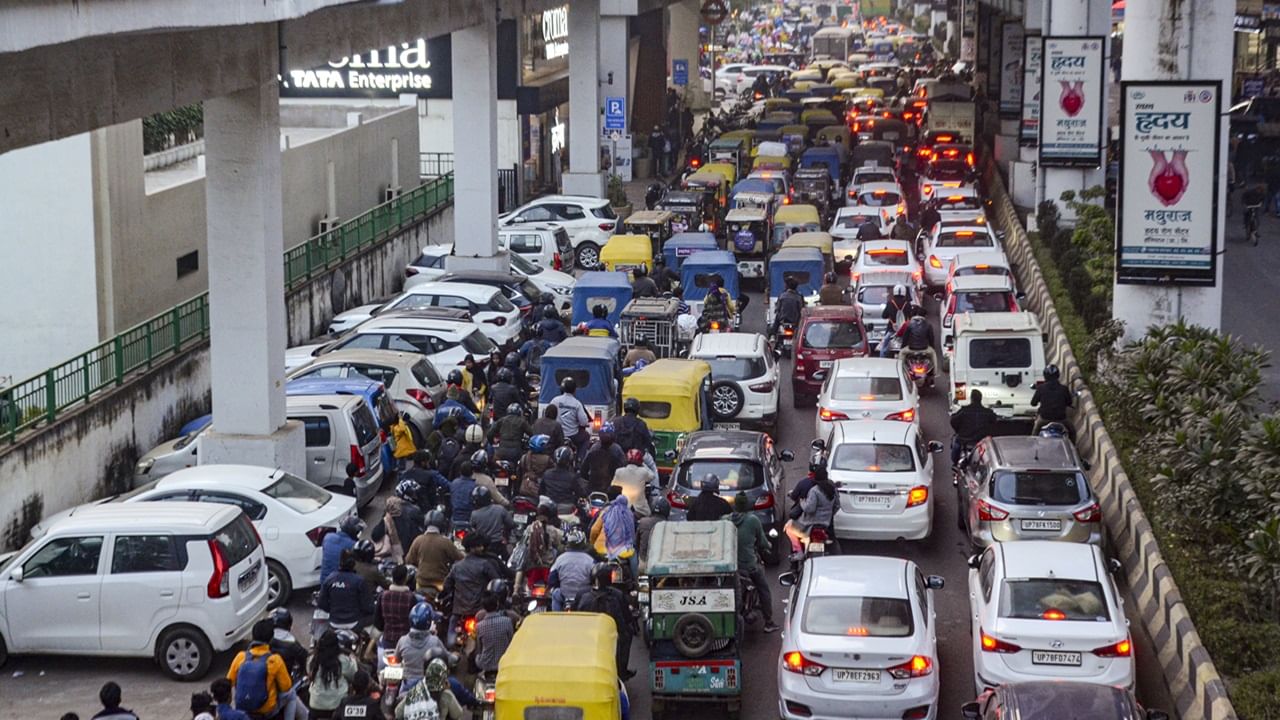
(944, 243)
(1042, 610)
(492, 312)
(883, 471)
(861, 635)
(866, 388)
(895, 256)
(745, 379)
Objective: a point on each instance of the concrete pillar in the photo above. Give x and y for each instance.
(615, 65)
(1181, 40)
(243, 193)
(584, 176)
(475, 148)
(682, 44)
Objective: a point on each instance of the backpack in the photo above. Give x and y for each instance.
(449, 449)
(251, 682)
(627, 433)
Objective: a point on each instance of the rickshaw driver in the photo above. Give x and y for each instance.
(552, 327)
(599, 325)
(663, 276)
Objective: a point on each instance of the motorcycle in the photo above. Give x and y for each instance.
(818, 543)
(523, 510)
(919, 369)
(486, 684)
(786, 338)
(390, 678)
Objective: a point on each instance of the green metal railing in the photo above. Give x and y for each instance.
(41, 398)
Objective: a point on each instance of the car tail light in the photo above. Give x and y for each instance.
(556, 262)
(220, 580)
(795, 662)
(607, 227)
(907, 415)
(1124, 648)
(489, 692)
(996, 645)
(961, 392)
(853, 194)
(1013, 303)
(855, 276)
(764, 502)
(934, 262)
(786, 199)
(928, 190)
(918, 495)
(316, 534)
(677, 501)
(923, 152)
(990, 513)
(763, 387)
(829, 414)
(1091, 514)
(917, 666)
(969, 159)
(422, 397)
(357, 459)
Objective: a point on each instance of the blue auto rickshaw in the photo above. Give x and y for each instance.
(750, 184)
(696, 274)
(682, 245)
(594, 365)
(770, 125)
(823, 157)
(611, 289)
(805, 264)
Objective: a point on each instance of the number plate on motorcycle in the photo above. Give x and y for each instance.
(1041, 524)
(501, 482)
(392, 672)
(708, 600)
(816, 548)
(857, 676)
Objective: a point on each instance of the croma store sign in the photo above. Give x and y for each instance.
(555, 32)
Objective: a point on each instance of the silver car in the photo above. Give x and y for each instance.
(1026, 488)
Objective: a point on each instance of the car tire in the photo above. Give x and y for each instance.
(587, 256)
(184, 653)
(726, 400)
(693, 635)
(279, 583)
(946, 363)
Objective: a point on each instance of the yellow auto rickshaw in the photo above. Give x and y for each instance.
(673, 403)
(847, 82)
(744, 134)
(771, 162)
(728, 170)
(625, 253)
(656, 224)
(803, 85)
(791, 219)
(820, 117)
(711, 184)
(871, 92)
(836, 135)
(561, 665)
(827, 65)
(821, 241)
(805, 75)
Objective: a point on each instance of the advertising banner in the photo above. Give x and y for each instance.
(1029, 133)
(1168, 221)
(1011, 70)
(1072, 128)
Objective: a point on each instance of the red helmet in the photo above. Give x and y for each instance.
(635, 457)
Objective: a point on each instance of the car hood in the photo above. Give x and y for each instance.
(356, 314)
(300, 355)
(553, 278)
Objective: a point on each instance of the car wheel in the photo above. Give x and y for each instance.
(726, 400)
(279, 585)
(184, 653)
(693, 635)
(587, 256)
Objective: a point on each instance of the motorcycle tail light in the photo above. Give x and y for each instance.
(469, 625)
(961, 393)
(818, 535)
(764, 502)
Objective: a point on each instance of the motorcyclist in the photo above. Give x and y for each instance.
(454, 406)
(433, 553)
(652, 195)
(533, 464)
(752, 544)
(284, 644)
(831, 293)
(643, 286)
(460, 494)
(468, 578)
(1054, 400)
(817, 509)
(917, 337)
(708, 505)
(346, 596)
(419, 646)
(635, 479)
(549, 425)
(513, 361)
(607, 599)
(391, 611)
(504, 392)
(494, 629)
(365, 553)
(533, 349)
(869, 230)
(480, 472)
(406, 517)
(971, 423)
(787, 309)
(661, 510)
(630, 431)
(552, 327)
(641, 351)
(760, 87)
(463, 379)
(599, 325)
(432, 486)
(717, 306)
(572, 414)
(602, 460)
(571, 572)
(897, 310)
(335, 543)
(561, 483)
(663, 276)
(510, 432)
(490, 520)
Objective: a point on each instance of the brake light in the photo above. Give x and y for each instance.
(469, 625)
(788, 331)
(715, 325)
(934, 262)
(422, 397)
(828, 415)
(694, 162)
(761, 387)
(969, 159)
(855, 276)
(489, 692)
(964, 233)
(357, 458)
(1053, 614)
(955, 198)
(1124, 648)
(786, 199)
(878, 193)
(886, 251)
(597, 421)
(917, 666)
(556, 263)
(499, 321)
(1091, 514)
(990, 513)
(797, 663)
(316, 534)
(905, 416)
(764, 502)
(853, 194)
(996, 645)
(928, 190)
(917, 275)
(607, 227)
(923, 152)
(961, 393)
(918, 495)
(677, 501)
(219, 581)
(902, 208)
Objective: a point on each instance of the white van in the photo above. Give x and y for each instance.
(1001, 354)
(339, 429)
(174, 581)
(543, 244)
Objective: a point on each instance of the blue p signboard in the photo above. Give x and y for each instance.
(615, 113)
(680, 72)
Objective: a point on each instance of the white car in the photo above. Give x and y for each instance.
(546, 245)
(554, 283)
(871, 294)
(883, 471)
(746, 76)
(866, 388)
(745, 379)
(412, 382)
(869, 174)
(845, 224)
(958, 200)
(432, 264)
(895, 256)
(974, 294)
(445, 337)
(492, 312)
(1043, 610)
(884, 196)
(175, 582)
(291, 514)
(860, 636)
(727, 77)
(993, 262)
(590, 222)
(943, 244)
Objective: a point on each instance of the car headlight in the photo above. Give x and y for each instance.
(144, 466)
(562, 289)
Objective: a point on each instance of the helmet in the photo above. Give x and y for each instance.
(499, 587)
(1053, 430)
(601, 574)
(607, 431)
(421, 616)
(631, 405)
(505, 375)
(1051, 372)
(512, 360)
(454, 377)
(408, 490)
(539, 443)
(569, 385)
(710, 483)
(347, 641)
(659, 260)
(550, 313)
(564, 457)
(899, 290)
(599, 311)
(661, 507)
(352, 526)
(479, 458)
(640, 271)
(515, 408)
(635, 457)
(281, 618)
(474, 435)
(574, 537)
(437, 520)
(480, 497)
(364, 550)
(436, 676)
(829, 277)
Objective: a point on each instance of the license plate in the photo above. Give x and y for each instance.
(1041, 524)
(393, 672)
(1049, 657)
(873, 501)
(249, 577)
(816, 548)
(825, 363)
(522, 520)
(728, 426)
(855, 676)
(501, 482)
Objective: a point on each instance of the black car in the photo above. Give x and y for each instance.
(743, 461)
(1050, 700)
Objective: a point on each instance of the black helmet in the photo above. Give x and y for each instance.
(709, 483)
(505, 375)
(408, 490)
(569, 385)
(659, 260)
(281, 618)
(550, 313)
(661, 507)
(479, 459)
(1051, 372)
(830, 277)
(480, 497)
(454, 378)
(437, 520)
(515, 409)
(599, 311)
(631, 406)
(499, 588)
(364, 550)
(564, 457)
(640, 271)
(352, 526)
(512, 360)
(347, 641)
(601, 574)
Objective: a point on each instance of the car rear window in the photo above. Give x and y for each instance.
(853, 222)
(863, 178)
(477, 344)
(886, 257)
(1054, 599)
(297, 494)
(729, 367)
(983, 301)
(604, 211)
(734, 474)
(425, 373)
(959, 202)
(879, 198)
(413, 302)
(983, 269)
(874, 294)
(237, 539)
(990, 353)
(867, 388)
(964, 239)
(872, 457)
(500, 303)
(854, 616)
(1039, 488)
(947, 170)
(832, 335)
(366, 427)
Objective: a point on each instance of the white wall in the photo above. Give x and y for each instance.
(436, 130)
(46, 212)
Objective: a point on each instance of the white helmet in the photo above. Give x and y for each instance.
(474, 434)
(899, 290)
(703, 228)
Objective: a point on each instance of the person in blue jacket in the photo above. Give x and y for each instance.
(599, 325)
(336, 542)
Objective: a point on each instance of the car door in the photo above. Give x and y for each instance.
(320, 450)
(56, 604)
(927, 611)
(141, 592)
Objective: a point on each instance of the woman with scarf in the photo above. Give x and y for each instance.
(614, 533)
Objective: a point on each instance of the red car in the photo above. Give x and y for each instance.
(826, 334)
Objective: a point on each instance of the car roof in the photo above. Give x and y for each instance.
(182, 518)
(829, 312)
(867, 367)
(723, 444)
(418, 317)
(981, 257)
(251, 477)
(857, 576)
(1033, 451)
(1058, 700)
(998, 322)
(470, 291)
(445, 249)
(733, 343)
(1049, 558)
(392, 358)
(587, 200)
(871, 431)
(964, 190)
(482, 277)
(300, 402)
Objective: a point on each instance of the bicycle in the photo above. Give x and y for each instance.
(1251, 222)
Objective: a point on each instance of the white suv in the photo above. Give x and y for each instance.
(744, 374)
(177, 582)
(589, 221)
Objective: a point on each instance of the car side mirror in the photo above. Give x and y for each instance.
(787, 579)
(518, 219)
(1020, 295)
(935, 446)
(974, 561)
(1114, 566)
(970, 711)
(16, 574)
(935, 582)
(818, 444)
(787, 456)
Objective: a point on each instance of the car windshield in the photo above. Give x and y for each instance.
(872, 457)
(297, 494)
(1039, 488)
(992, 353)
(963, 239)
(522, 264)
(1053, 599)
(983, 301)
(734, 474)
(832, 335)
(867, 388)
(854, 616)
(477, 344)
(730, 367)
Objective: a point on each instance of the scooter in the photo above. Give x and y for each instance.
(919, 368)
(390, 677)
(786, 339)
(486, 684)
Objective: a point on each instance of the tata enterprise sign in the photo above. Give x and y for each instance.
(417, 68)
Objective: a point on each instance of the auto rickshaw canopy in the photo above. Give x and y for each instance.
(599, 287)
(822, 241)
(797, 214)
(670, 393)
(693, 548)
(627, 252)
(560, 660)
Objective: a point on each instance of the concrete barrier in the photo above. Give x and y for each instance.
(1197, 690)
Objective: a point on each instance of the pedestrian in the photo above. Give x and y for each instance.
(110, 695)
(402, 443)
(657, 150)
(349, 485)
(202, 707)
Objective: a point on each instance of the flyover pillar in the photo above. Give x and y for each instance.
(683, 43)
(1180, 40)
(245, 224)
(475, 148)
(584, 176)
(615, 65)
